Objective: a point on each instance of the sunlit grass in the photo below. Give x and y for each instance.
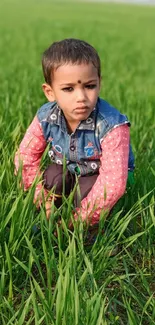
(61, 280)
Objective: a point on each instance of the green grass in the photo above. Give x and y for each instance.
(49, 280)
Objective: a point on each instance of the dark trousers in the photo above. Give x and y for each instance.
(53, 177)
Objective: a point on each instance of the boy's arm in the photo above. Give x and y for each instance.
(29, 155)
(111, 182)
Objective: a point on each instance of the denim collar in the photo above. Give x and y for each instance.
(57, 117)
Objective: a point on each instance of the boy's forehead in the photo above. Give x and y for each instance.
(78, 73)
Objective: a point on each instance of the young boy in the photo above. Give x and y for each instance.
(91, 134)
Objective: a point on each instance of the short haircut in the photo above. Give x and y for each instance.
(68, 51)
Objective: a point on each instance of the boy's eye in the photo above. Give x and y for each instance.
(69, 89)
(90, 86)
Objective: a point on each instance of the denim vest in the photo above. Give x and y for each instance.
(82, 148)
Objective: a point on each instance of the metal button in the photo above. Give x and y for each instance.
(72, 148)
(89, 120)
(53, 117)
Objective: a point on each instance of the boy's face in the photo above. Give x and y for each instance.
(75, 87)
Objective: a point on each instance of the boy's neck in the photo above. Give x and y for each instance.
(72, 126)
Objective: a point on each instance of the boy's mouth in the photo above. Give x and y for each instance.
(81, 109)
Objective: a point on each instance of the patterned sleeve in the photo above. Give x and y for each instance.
(29, 155)
(111, 182)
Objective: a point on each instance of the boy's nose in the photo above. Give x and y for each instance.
(80, 95)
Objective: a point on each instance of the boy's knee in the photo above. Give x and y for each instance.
(52, 177)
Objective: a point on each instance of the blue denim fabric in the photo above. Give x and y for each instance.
(82, 149)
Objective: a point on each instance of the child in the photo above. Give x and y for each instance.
(91, 134)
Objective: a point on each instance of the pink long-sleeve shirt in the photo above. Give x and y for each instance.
(111, 181)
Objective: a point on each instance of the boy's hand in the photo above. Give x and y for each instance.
(48, 205)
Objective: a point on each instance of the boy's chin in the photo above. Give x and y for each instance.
(80, 116)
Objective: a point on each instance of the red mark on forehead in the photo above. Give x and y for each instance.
(79, 81)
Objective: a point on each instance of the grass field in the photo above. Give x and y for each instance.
(49, 280)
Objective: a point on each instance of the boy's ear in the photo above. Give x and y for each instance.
(48, 91)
